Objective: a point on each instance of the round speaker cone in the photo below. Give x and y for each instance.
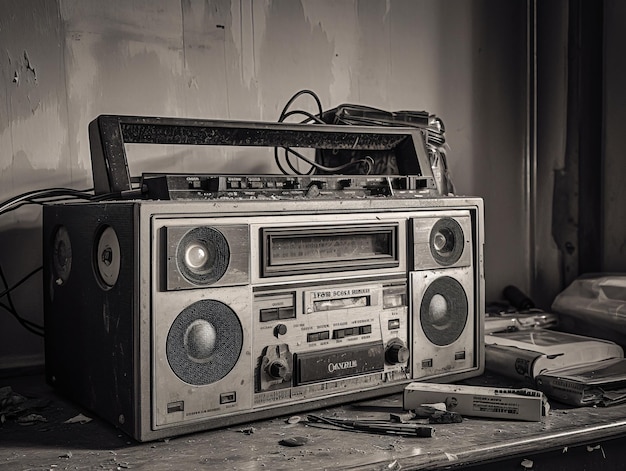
(444, 311)
(203, 255)
(61, 255)
(438, 311)
(108, 257)
(446, 241)
(204, 342)
(200, 340)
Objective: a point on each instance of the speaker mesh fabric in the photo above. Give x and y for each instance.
(216, 244)
(453, 228)
(62, 255)
(228, 344)
(444, 330)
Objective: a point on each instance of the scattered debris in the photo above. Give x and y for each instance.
(294, 419)
(247, 430)
(79, 419)
(9, 399)
(426, 410)
(18, 407)
(597, 447)
(436, 413)
(393, 466)
(31, 419)
(527, 464)
(401, 418)
(445, 417)
(294, 441)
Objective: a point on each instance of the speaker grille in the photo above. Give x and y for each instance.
(203, 255)
(61, 255)
(107, 257)
(444, 311)
(204, 342)
(446, 241)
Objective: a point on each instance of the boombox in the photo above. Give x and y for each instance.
(168, 317)
(194, 302)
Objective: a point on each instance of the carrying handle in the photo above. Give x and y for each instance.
(108, 135)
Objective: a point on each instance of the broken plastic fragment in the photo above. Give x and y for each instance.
(80, 419)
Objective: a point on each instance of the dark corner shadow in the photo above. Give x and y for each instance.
(54, 432)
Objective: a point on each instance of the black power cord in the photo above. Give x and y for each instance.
(367, 162)
(10, 307)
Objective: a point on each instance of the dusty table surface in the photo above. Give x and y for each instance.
(49, 443)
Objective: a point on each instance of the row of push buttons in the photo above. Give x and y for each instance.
(339, 333)
(275, 313)
(361, 330)
(316, 336)
(261, 184)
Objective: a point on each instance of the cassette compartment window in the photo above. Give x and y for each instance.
(315, 249)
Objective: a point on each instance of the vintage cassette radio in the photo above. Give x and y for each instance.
(169, 317)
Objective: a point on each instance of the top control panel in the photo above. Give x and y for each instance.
(203, 187)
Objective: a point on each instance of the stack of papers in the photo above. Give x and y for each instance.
(572, 369)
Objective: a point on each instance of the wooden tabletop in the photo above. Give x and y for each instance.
(54, 444)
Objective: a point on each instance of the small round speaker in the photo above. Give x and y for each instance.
(204, 342)
(446, 241)
(107, 257)
(203, 255)
(444, 311)
(61, 255)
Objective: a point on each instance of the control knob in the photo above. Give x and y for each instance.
(280, 329)
(396, 352)
(278, 369)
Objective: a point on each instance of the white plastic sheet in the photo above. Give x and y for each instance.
(594, 305)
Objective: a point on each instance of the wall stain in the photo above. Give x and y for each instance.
(29, 66)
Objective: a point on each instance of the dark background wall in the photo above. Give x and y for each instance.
(612, 150)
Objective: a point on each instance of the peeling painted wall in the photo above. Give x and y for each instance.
(63, 62)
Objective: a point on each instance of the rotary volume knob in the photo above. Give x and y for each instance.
(278, 369)
(396, 353)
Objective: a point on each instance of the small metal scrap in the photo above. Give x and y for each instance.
(247, 430)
